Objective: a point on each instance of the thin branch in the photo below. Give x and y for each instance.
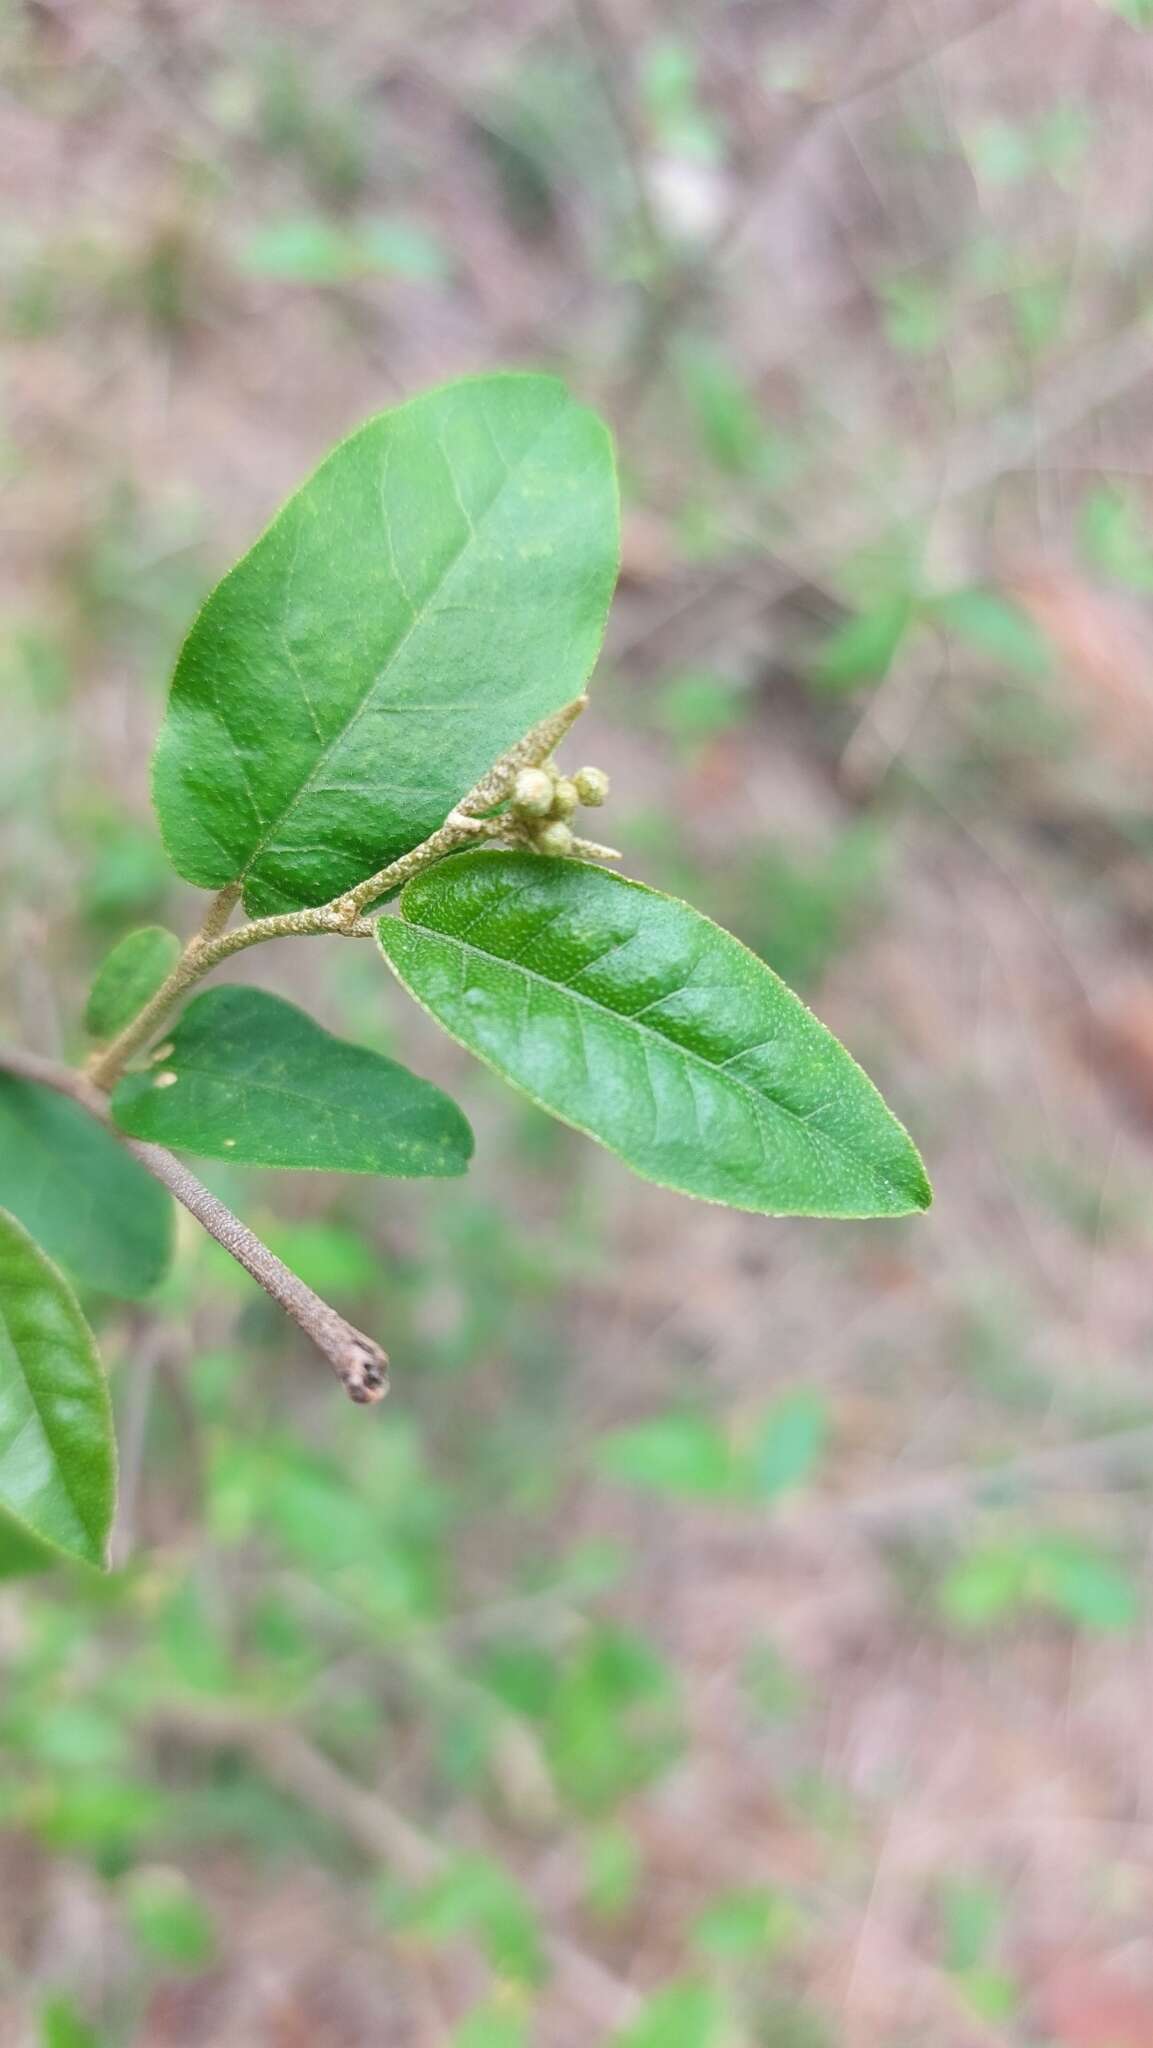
(467, 821)
(357, 1360)
(342, 917)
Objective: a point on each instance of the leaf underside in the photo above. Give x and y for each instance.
(79, 1192)
(438, 586)
(248, 1077)
(629, 1015)
(57, 1454)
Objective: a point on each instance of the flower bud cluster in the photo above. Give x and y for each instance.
(543, 800)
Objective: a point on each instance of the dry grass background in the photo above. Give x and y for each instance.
(999, 988)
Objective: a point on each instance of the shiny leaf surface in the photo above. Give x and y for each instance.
(248, 1077)
(435, 588)
(80, 1193)
(57, 1458)
(634, 1018)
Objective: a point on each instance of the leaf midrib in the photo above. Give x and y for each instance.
(760, 1102)
(268, 835)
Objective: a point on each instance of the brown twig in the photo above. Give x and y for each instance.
(357, 1360)
(205, 950)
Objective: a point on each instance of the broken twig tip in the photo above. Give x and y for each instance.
(364, 1373)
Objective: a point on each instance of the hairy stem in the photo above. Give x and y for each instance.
(467, 822)
(204, 951)
(357, 1360)
(213, 943)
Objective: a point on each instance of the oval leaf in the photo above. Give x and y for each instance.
(436, 588)
(80, 1193)
(863, 649)
(248, 1077)
(128, 977)
(57, 1455)
(637, 1020)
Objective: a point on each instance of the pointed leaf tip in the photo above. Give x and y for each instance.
(630, 1016)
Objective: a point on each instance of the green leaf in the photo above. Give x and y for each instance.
(476, 1896)
(304, 250)
(168, 1919)
(1138, 13)
(1064, 1574)
(80, 1193)
(438, 586)
(61, 2026)
(862, 650)
(1115, 536)
(730, 425)
(686, 1455)
(682, 2014)
(57, 1454)
(313, 251)
(1039, 310)
(1088, 1588)
(917, 314)
(251, 1078)
(613, 1869)
(992, 1994)
(973, 1915)
(129, 975)
(746, 1921)
(498, 2023)
(402, 248)
(986, 1586)
(789, 1444)
(995, 626)
(635, 1019)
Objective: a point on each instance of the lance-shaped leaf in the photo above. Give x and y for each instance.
(128, 976)
(80, 1193)
(436, 588)
(57, 1454)
(637, 1020)
(248, 1077)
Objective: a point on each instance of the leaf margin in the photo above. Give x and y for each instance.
(129, 1092)
(913, 1207)
(165, 744)
(44, 1552)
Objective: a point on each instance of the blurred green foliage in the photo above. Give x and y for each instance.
(472, 1610)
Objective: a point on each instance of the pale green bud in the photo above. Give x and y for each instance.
(591, 785)
(564, 798)
(555, 838)
(532, 793)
